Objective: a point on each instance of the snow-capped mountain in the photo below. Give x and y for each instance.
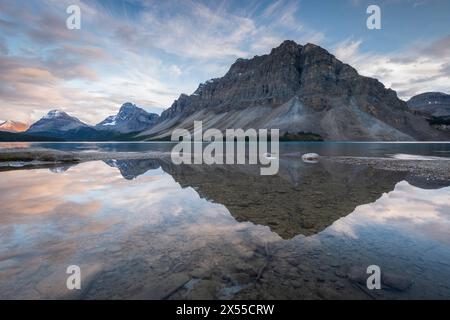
(435, 104)
(59, 125)
(54, 122)
(129, 119)
(12, 126)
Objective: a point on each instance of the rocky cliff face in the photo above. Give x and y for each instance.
(296, 89)
(129, 119)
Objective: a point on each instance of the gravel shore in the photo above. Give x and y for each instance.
(34, 157)
(430, 169)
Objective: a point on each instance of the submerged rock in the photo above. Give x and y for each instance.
(395, 282)
(358, 275)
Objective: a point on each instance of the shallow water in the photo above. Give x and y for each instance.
(148, 229)
(366, 149)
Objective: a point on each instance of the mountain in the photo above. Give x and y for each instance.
(121, 127)
(59, 125)
(129, 119)
(12, 126)
(304, 196)
(433, 104)
(434, 107)
(131, 169)
(55, 122)
(299, 90)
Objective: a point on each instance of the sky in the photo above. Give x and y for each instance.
(149, 52)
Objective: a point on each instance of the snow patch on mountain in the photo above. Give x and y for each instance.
(53, 114)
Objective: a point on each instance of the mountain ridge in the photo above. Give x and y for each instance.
(296, 88)
(302, 90)
(60, 125)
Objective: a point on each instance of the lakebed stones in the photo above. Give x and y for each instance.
(395, 282)
(389, 280)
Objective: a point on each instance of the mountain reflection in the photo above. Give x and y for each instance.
(131, 169)
(302, 199)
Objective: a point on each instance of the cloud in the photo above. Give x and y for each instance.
(194, 30)
(175, 70)
(411, 211)
(439, 49)
(149, 52)
(84, 76)
(3, 48)
(139, 51)
(418, 68)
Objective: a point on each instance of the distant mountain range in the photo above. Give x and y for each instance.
(302, 90)
(129, 121)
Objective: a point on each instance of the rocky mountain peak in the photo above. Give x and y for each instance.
(56, 120)
(54, 114)
(297, 88)
(130, 118)
(287, 46)
(128, 107)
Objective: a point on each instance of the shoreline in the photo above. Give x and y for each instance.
(30, 158)
(37, 157)
(429, 169)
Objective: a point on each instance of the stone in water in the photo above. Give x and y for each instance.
(310, 157)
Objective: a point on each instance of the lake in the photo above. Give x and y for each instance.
(149, 229)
